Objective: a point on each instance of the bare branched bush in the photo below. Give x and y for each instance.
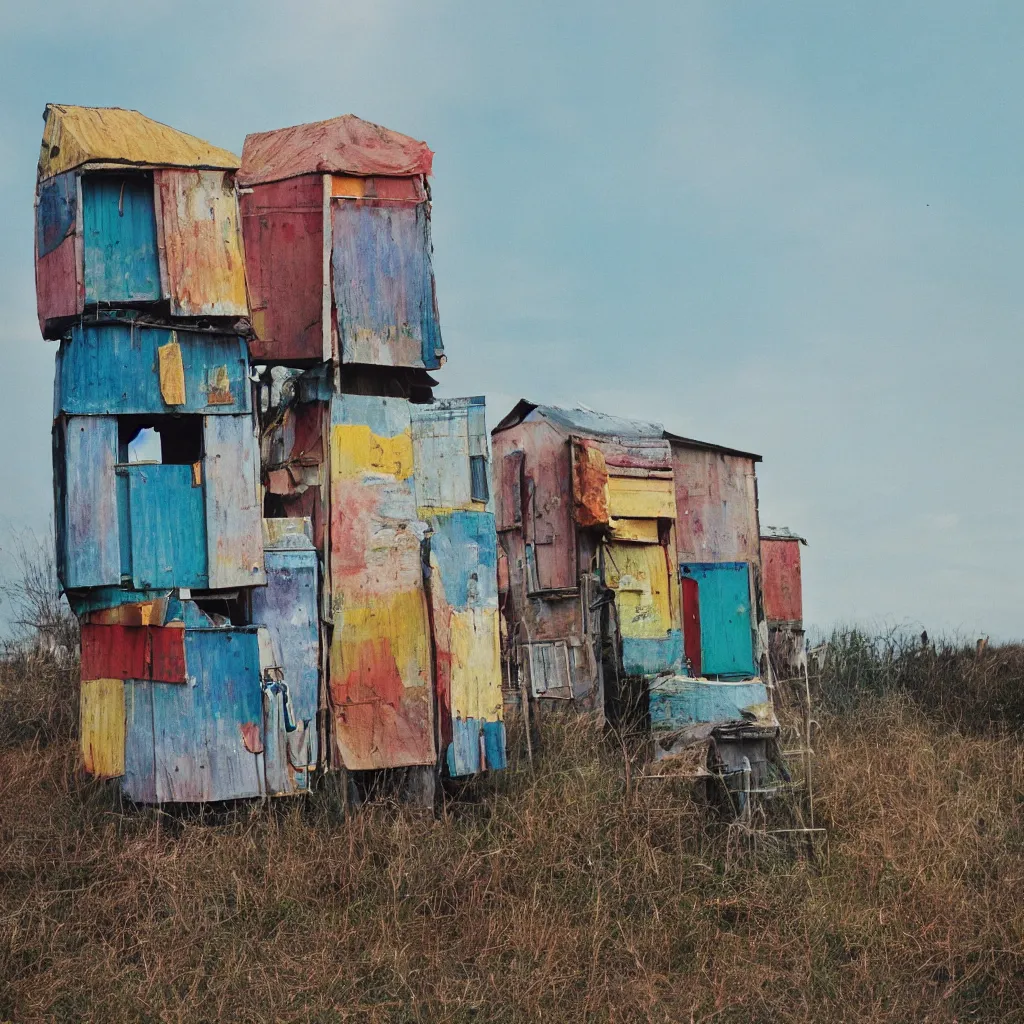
(39, 659)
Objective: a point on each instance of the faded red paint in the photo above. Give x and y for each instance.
(589, 483)
(691, 623)
(133, 652)
(283, 229)
(783, 588)
(57, 289)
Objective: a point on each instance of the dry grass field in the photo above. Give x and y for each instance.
(573, 892)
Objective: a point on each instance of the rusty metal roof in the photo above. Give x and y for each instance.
(780, 533)
(78, 135)
(342, 145)
(689, 442)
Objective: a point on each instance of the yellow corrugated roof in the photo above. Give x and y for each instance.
(77, 135)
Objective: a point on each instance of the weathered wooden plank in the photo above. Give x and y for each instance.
(139, 782)
(676, 702)
(172, 373)
(380, 652)
(384, 284)
(201, 242)
(102, 727)
(57, 271)
(783, 592)
(234, 518)
(631, 497)
(91, 535)
(119, 228)
(168, 527)
(113, 369)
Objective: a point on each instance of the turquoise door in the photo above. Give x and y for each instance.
(723, 593)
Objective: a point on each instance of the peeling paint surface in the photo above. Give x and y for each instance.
(101, 727)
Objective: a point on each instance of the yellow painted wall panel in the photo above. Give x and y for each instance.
(632, 497)
(102, 727)
(639, 575)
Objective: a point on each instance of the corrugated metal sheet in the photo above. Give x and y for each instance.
(101, 727)
(341, 145)
(168, 527)
(200, 240)
(288, 608)
(90, 538)
(119, 231)
(725, 623)
(203, 741)
(783, 587)
(77, 135)
(384, 284)
(380, 652)
(133, 652)
(283, 227)
(716, 499)
(234, 514)
(113, 368)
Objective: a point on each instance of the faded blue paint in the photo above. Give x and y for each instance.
(678, 702)
(466, 548)
(288, 607)
(644, 656)
(386, 417)
(168, 527)
(384, 285)
(56, 211)
(139, 780)
(723, 593)
(199, 753)
(91, 555)
(119, 230)
(112, 368)
(494, 746)
(471, 738)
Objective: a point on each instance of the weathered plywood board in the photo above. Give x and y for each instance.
(168, 527)
(637, 497)
(200, 242)
(783, 590)
(234, 518)
(384, 284)
(91, 534)
(58, 274)
(119, 229)
(102, 727)
(380, 652)
(114, 369)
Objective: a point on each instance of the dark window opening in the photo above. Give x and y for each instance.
(169, 440)
(478, 489)
(225, 608)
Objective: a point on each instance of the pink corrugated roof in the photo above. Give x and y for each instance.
(342, 145)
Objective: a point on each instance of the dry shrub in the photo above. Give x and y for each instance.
(562, 894)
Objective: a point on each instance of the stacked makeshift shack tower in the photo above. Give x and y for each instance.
(632, 572)
(234, 627)
(783, 600)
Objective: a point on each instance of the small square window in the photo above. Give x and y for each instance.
(478, 490)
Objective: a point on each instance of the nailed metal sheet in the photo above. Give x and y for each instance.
(168, 527)
(119, 231)
(783, 589)
(101, 727)
(464, 599)
(133, 652)
(113, 368)
(342, 145)
(77, 135)
(288, 607)
(723, 591)
(234, 517)
(384, 284)
(716, 504)
(201, 242)
(283, 228)
(380, 652)
(90, 538)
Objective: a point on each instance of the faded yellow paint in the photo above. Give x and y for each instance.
(639, 575)
(348, 187)
(476, 664)
(77, 135)
(356, 450)
(102, 728)
(642, 530)
(637, 497)
(172, 372)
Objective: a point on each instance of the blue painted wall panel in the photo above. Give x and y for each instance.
(494, 746)
(56, 211)
(466, 548)
(643, 656)
(112, 368)
(723, 590)
(384, 285)
(168, 527)
(139, 781)
(678, 702)
(119, 229)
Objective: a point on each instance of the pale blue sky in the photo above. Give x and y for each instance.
(793, 227)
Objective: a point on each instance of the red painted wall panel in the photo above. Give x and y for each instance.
(783, 591)
(57, 284)
(133, 652)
